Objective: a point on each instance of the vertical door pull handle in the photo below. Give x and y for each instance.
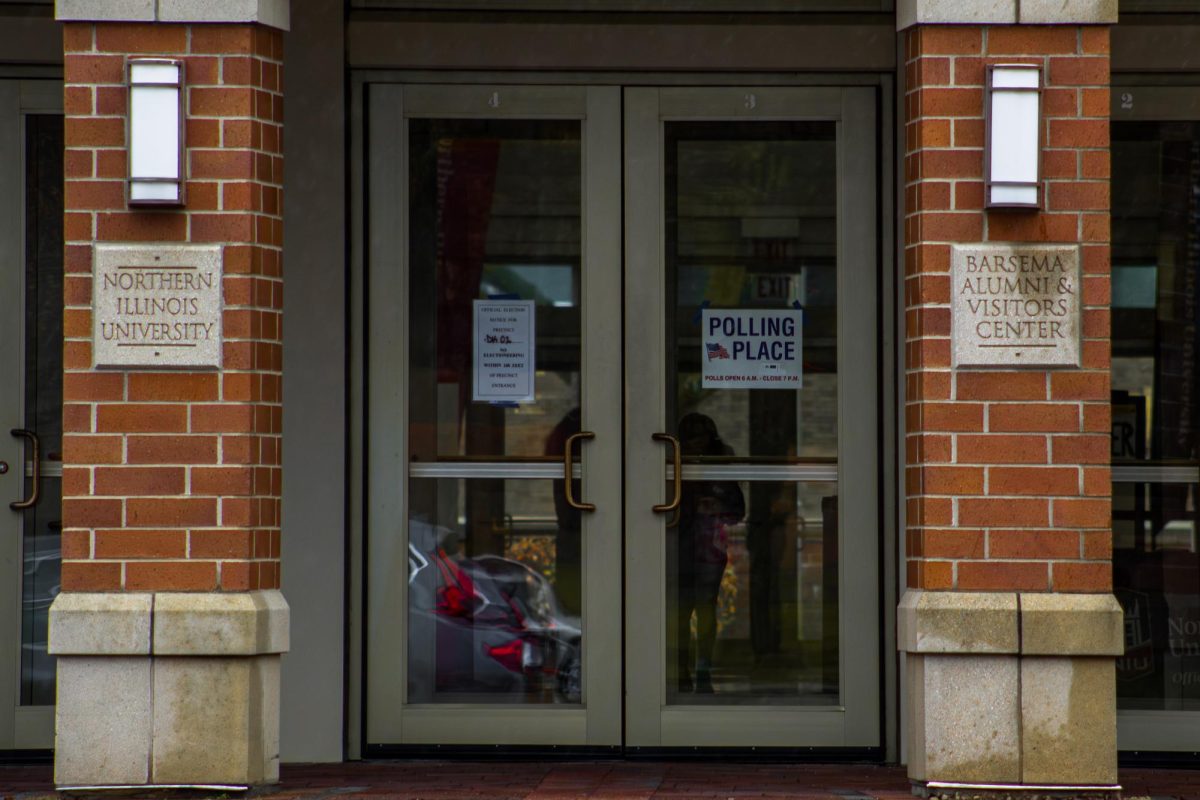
(567, 476)
(36, 447)
(678, 461)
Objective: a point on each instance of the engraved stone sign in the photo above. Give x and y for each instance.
(1015, 305)
(157, 306)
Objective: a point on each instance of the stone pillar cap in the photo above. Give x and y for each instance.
(272, 13)
(1029, 623)
(958, 622)
(169, 623)
(1005, 12)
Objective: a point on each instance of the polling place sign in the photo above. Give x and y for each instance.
(758, 349)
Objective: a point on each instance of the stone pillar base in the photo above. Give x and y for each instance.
(1011, 693)
(168, 688)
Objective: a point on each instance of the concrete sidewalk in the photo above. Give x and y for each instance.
(612, 780)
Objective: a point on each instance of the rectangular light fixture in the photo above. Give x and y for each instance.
(156, 131)
(1012, 156)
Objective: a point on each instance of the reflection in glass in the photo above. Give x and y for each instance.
(751, 223)
(1156, 257)
(41, 549)
(495, 213)
(753, 599)
(1156, 410)
(495, 596)
(1158, 588)
(485, 570)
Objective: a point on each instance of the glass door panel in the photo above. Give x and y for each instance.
(494, 215)
(761, 203)
(751, 222)
(491, 605)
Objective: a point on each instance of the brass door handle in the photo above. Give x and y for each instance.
(35, 492)
(567, 477)
(678, 460)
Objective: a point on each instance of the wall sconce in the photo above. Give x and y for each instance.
(155, 131)
(1012, 157)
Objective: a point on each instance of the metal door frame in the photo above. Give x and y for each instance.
(597, 721)
(364, 85)
(22, 727)
(650, 722)
(1140, 98)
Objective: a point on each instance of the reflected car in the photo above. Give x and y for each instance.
(42, 567)
(40, 584)
(495, 624)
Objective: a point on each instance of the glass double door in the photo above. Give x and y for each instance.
(621, 445)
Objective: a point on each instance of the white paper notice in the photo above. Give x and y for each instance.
(752, 349)
(504, 357)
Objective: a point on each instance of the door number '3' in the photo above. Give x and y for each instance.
(751, 101)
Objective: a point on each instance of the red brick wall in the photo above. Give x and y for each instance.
(1007, 472)
(171, 480)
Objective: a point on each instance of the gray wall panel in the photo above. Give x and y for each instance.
(314, 385)
(29, 36)
(1149, 44)
(420, 44)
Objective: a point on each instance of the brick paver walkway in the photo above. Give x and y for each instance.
(610, 780)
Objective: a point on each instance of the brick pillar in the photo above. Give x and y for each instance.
(170, 625)
(1008, 622)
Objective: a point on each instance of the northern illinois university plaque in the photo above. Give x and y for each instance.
(157, 306)
(1015, 305)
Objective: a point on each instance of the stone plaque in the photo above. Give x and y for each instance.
(1015, 305)
(157, 306)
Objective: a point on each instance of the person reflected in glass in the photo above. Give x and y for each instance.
(706, 510)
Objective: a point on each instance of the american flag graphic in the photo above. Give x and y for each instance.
(716, 351)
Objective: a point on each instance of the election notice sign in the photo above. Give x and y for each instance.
(503, 357)
(751, 349)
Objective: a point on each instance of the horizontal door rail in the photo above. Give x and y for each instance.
(522, 470)
(516, 470)
(814, 473)
(757, 460)
(49, 469)
(1122, 473)
(492, 459)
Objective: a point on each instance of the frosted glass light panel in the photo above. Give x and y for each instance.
(155, 132)
(1013, 155)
